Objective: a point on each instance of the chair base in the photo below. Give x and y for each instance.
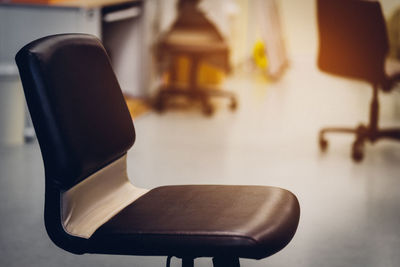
(203, 95)
(362, 134)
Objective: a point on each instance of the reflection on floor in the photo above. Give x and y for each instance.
(350, 212)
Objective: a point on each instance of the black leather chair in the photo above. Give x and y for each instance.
(353, 43)
(85, 130)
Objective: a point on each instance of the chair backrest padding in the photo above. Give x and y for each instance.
(77, 107)
(352, 39)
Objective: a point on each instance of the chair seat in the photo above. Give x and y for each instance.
(202, 220)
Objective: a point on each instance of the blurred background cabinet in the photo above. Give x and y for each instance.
(118, 23)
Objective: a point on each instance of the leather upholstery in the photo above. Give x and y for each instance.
(202, 220)
(352, 39)
(70, 89)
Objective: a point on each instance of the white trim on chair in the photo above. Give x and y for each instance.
(95, 200)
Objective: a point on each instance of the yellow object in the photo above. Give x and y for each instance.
(206, 73)
(137, 106)
(259, 55)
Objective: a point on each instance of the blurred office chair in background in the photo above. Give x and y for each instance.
(85, 130)
(353, 43)
(192, 36)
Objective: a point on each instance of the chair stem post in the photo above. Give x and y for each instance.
(187, 262)
(374, 111)
(226, 262)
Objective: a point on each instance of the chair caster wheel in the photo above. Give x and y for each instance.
(357, 151)
(208, 110)
(323, 144)
(233, 105)
(159, 105)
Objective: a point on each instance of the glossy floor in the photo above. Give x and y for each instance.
(350, 212)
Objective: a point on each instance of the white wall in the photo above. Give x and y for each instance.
(299, 27)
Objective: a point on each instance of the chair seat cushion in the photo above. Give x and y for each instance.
(202, 220)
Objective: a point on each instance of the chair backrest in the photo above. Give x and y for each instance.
(352, 39)
(191, 18)
(79, 114)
